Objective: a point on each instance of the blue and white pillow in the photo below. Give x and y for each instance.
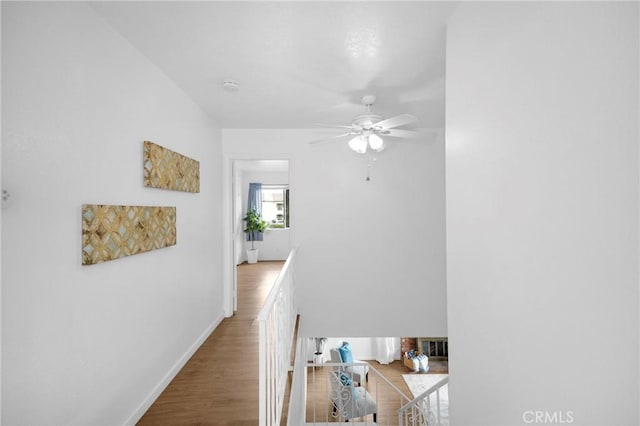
(346, 381)
(345, 352)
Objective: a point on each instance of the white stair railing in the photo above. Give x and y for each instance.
(298, 396)
(276, 323)
(423, 411)
(322, 399)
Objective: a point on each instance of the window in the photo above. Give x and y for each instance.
(275, 206)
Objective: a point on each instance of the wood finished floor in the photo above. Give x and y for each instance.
(219, 384)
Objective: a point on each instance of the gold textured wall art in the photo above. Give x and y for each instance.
(111, 232)
(167, 169)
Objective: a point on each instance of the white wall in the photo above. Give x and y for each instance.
(89, 344)
(373, 256)
(542, 212)
(275, 244)
(362, 348)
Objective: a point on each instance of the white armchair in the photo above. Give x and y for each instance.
(350, 402)
(358, 373)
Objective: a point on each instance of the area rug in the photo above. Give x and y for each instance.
(418, 383)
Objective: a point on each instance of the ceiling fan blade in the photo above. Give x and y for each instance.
(399, 133)
(421, 137)
(331, 138)
(332, 126)
(398, 120)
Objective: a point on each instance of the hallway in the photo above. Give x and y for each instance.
(219, 384)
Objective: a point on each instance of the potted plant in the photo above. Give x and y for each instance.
(255, 225)
(318, 357)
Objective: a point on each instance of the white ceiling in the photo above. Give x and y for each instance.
(298, 63)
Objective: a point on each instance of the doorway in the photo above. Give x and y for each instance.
(273, 182)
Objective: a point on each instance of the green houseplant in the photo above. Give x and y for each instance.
(255, 225)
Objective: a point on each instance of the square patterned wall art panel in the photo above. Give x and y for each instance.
(111, 232)
(167, 169)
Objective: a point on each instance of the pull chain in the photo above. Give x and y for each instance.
(370, 160)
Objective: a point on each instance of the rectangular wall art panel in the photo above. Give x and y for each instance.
(167, 169)
(111, 232)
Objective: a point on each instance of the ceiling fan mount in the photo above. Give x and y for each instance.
(366, 129)
(368, 119)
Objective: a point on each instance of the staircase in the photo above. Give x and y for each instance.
(313, 398)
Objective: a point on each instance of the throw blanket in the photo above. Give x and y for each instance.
(419, 383)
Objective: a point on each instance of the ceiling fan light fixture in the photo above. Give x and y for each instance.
(367, 130)
(358, 144)
(376, 143)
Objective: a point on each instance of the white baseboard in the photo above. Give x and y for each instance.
(173, 371)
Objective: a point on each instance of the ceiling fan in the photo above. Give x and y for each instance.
(368, 129)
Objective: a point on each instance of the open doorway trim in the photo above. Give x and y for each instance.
(229, 280)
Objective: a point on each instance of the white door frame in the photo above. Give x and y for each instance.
(229, 279)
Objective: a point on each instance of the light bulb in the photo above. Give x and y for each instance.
(376, 143)
(358, 144)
